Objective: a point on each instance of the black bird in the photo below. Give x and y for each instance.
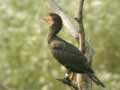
(65, 53)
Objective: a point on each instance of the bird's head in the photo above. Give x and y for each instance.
(54, 20)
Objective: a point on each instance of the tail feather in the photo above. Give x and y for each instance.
(96, 80)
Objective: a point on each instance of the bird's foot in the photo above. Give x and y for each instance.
(68, 82)
(64, 80)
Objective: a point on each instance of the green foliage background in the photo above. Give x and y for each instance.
(25, 61)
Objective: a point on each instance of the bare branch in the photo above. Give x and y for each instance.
(80, 10)
(84, 47)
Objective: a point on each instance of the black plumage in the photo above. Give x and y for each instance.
(65, 53)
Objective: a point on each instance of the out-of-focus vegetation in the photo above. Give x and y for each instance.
(25, 61)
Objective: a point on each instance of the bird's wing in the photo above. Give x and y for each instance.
(69, 56)
(66, 46)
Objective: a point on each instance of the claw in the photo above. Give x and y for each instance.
(64, 80)
(68, 82)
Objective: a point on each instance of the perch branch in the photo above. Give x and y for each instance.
(83, 80)
(79, 19)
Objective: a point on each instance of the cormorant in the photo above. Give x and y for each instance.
(65, 53)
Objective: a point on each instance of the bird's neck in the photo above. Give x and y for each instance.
(51, 36)
(53, 32)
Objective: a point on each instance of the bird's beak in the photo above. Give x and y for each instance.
(48, 19)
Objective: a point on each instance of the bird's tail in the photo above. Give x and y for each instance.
(96, 80)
